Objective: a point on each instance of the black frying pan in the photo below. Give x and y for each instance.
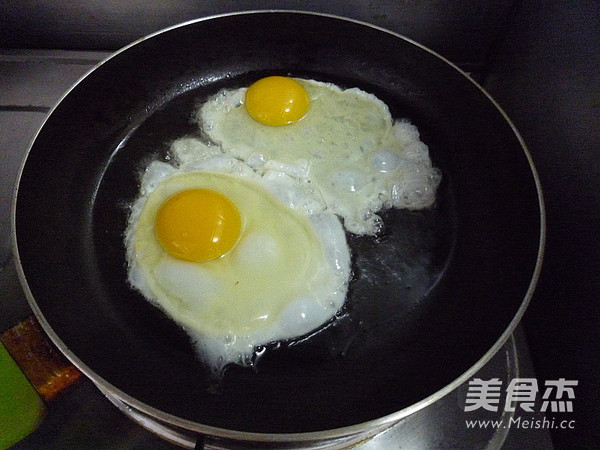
(433, 298)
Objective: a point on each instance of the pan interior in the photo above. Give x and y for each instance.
(430, 295)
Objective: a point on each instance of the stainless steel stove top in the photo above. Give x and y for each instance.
(31, 82)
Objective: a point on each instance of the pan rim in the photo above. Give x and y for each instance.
(375, 424)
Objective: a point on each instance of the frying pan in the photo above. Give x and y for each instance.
(431, 300)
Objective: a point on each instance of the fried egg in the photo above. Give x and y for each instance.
(264, 260)
(241, 240)
(344, 142)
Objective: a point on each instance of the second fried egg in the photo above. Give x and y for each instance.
(285, 275)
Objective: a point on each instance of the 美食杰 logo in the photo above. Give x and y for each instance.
(521, 394)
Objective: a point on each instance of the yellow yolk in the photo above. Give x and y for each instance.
(277, 101)
(197, 225)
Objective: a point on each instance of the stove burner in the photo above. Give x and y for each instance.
(437, 425)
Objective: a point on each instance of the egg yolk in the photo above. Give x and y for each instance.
(277, 101)
(197, 225)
